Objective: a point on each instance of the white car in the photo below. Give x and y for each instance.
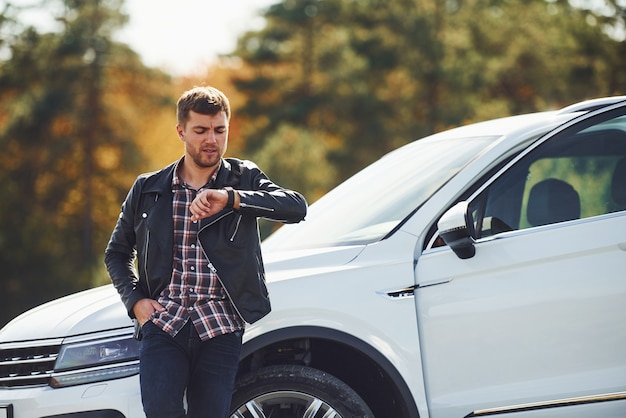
(476, 272)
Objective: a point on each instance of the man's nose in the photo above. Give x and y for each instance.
(211, 136)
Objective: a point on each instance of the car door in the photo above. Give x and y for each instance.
(534, 323)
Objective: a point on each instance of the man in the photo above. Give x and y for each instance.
(192, 227)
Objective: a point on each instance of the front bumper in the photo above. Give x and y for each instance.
(118, 398)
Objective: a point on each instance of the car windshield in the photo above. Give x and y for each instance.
(369, 205)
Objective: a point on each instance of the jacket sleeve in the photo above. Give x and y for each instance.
(268, 200)
(121, 252)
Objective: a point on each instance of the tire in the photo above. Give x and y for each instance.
(295, 392)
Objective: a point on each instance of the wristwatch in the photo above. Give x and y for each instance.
(231, 197)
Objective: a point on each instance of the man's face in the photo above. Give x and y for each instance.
(205, 138)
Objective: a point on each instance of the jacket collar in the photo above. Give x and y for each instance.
(161, 181)
(224, 175)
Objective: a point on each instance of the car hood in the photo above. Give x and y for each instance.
(293, 264)
(101, 309)
(92, 310)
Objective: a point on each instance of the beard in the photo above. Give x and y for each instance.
(204, 160)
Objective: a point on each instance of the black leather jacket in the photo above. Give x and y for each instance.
(230, 239)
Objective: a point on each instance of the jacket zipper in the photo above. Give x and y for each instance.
(245, 205)
(145, 263)
(214, 270)
(145, 257)
(212, 267)
(213, 221)
(232, 237)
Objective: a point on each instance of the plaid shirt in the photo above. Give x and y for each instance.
(195, 291)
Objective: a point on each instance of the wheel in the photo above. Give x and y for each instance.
(295, 392)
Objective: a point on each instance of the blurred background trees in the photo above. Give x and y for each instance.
(69, 105)
(325, 88)
(369, 75)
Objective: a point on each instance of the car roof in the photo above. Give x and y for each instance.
(593, 104)
(523, 126)
(509, 126)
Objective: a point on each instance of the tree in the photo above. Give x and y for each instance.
(69, 100)
(367, 76)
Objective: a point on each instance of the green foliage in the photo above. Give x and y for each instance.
(68, 152)
(377, 74)
(291, 150)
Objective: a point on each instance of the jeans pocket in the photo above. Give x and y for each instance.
(137, 332)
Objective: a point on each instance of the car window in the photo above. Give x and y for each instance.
(577, 174)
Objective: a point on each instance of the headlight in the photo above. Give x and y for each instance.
(95, 360)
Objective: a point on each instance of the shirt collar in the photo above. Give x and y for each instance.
(178, 182)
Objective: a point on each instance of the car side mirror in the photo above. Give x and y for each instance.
(455, 228)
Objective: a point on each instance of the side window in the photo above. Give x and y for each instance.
(576, 174)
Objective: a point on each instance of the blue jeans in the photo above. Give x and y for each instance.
(205, 369)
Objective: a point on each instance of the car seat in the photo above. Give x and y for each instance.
(552, 201)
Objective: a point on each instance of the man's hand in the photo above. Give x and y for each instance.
(209, 202)
(144, 308)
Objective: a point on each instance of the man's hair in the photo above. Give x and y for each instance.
(205, 100)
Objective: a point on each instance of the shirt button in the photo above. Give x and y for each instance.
(195, 222)
(144, 215)
(193, 245)
(192, 268)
